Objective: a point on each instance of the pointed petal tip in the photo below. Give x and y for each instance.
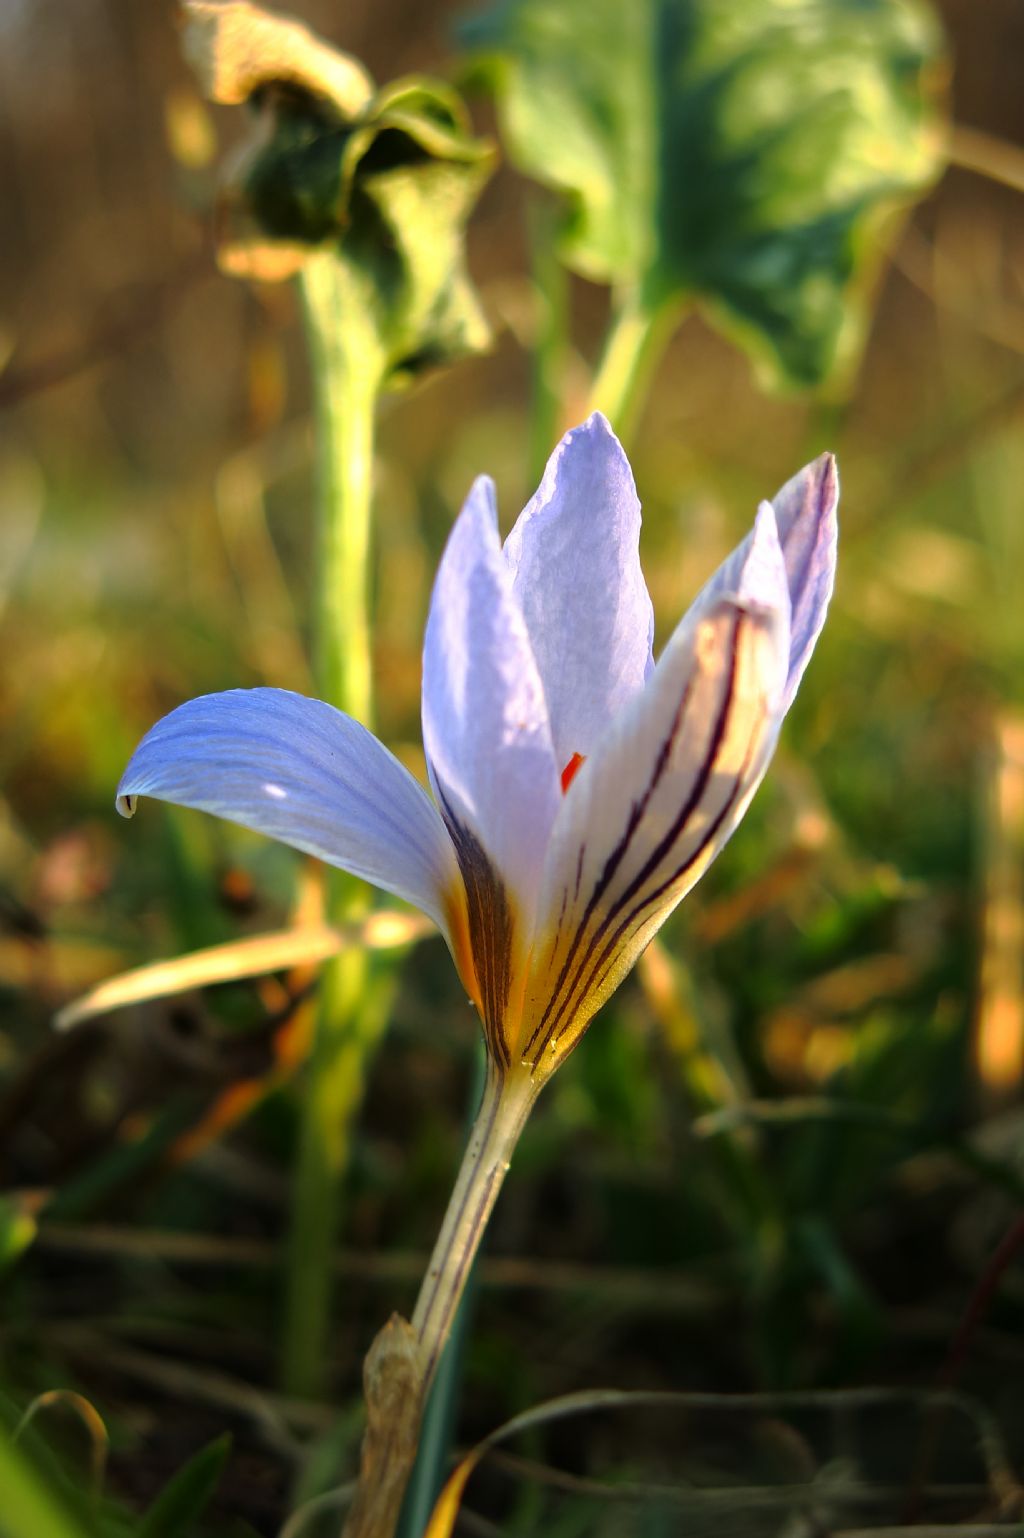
(126, 803)
(766, 525)
(826, 468)
(482, 499)
(812, 493)
(593, 448)
(806, 508)
(817, 494)
(589, 448)
(475, 526)
(596, 422)
(596, 432)
(760, 580)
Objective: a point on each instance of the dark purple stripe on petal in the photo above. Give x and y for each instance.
(564, 999)
(491, 930)
(604, 964)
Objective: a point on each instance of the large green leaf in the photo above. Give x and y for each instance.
(745, 152)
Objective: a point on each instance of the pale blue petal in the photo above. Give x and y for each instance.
(302, 772)
(805, 510)
(485, 719)
(574, 555)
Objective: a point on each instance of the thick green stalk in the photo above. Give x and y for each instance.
(347, 374)
(640, 331)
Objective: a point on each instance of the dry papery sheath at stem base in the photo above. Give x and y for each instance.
(579, 790)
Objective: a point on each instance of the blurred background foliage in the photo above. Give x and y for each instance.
(789, 1149)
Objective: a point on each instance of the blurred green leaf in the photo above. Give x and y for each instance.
(93, 1182)
(17, 1230)
(29, 1507)
(746, 153)
(184, 1498)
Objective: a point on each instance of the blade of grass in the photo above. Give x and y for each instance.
(238, 959)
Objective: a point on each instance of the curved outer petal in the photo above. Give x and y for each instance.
(574, 555)
(649, 811)
(805, 513)
(805, 510)
(485, 719)
(302, 772)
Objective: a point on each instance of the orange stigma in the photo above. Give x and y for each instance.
(570, 770)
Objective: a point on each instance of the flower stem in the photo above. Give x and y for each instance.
(505, 1105)
(638, 335)
(439, 1413)
(347, 374)
(389, 1448)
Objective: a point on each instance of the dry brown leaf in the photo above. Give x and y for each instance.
(393, 1386)
(236, 48)
(239, 959)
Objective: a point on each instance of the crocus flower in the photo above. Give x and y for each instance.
(579, 790)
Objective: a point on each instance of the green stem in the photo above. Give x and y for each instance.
(638, 335)
(347, 377)
(347, 373)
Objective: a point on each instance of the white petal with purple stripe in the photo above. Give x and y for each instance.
(649, 811)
